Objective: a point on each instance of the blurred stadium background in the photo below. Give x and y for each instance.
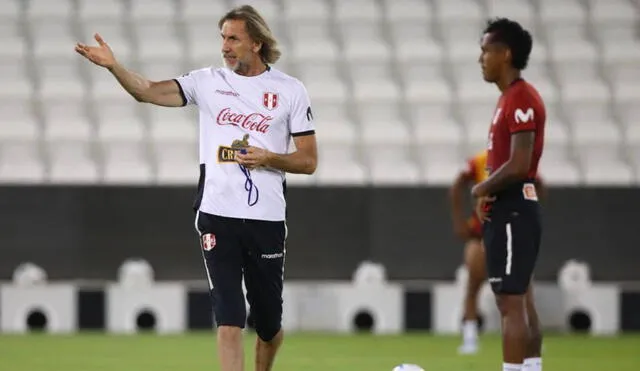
(399, 105)
(366, 63)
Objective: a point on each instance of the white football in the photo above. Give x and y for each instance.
(408, 367)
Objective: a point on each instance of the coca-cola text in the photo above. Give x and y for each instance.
(253, 121)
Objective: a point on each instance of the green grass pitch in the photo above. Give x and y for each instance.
(309, 352)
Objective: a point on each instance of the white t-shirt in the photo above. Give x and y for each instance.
(270, 108)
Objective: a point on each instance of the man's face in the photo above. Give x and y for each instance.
(492, 58)
(238, 49)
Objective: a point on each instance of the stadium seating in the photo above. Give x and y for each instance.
(395, 86)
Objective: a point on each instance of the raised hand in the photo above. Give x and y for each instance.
(100, 55)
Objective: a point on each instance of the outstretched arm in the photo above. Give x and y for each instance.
(162, 93)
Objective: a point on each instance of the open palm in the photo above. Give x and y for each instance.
(100, 55)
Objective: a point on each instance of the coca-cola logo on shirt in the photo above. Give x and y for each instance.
(252, 121)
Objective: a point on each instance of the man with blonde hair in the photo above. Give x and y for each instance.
(248, 113)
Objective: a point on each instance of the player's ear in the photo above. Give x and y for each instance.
(508, 56)
(257, 46)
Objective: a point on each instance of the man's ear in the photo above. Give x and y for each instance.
(257, 46)
(508, 55)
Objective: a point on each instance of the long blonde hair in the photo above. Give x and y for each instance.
(257, 29)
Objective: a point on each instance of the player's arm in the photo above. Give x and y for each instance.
(521, 120)
(456, 198)
(305, 158)
(541, 188)
(515, 169)
(303, 161)
(163, 93)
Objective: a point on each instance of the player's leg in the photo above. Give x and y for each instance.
(515, 333)
(223, 264)
(511, 255)
(264, 275)
(475, 263)
(533, 358)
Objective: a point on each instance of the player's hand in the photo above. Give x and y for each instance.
(253, 157)
(100, 55)
(482, 209)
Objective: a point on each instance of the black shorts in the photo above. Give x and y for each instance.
(233, 248)
(512, 241)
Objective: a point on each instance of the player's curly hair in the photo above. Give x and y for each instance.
(514, 36)
(257, 29)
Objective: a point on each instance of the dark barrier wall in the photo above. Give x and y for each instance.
(86, 232)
